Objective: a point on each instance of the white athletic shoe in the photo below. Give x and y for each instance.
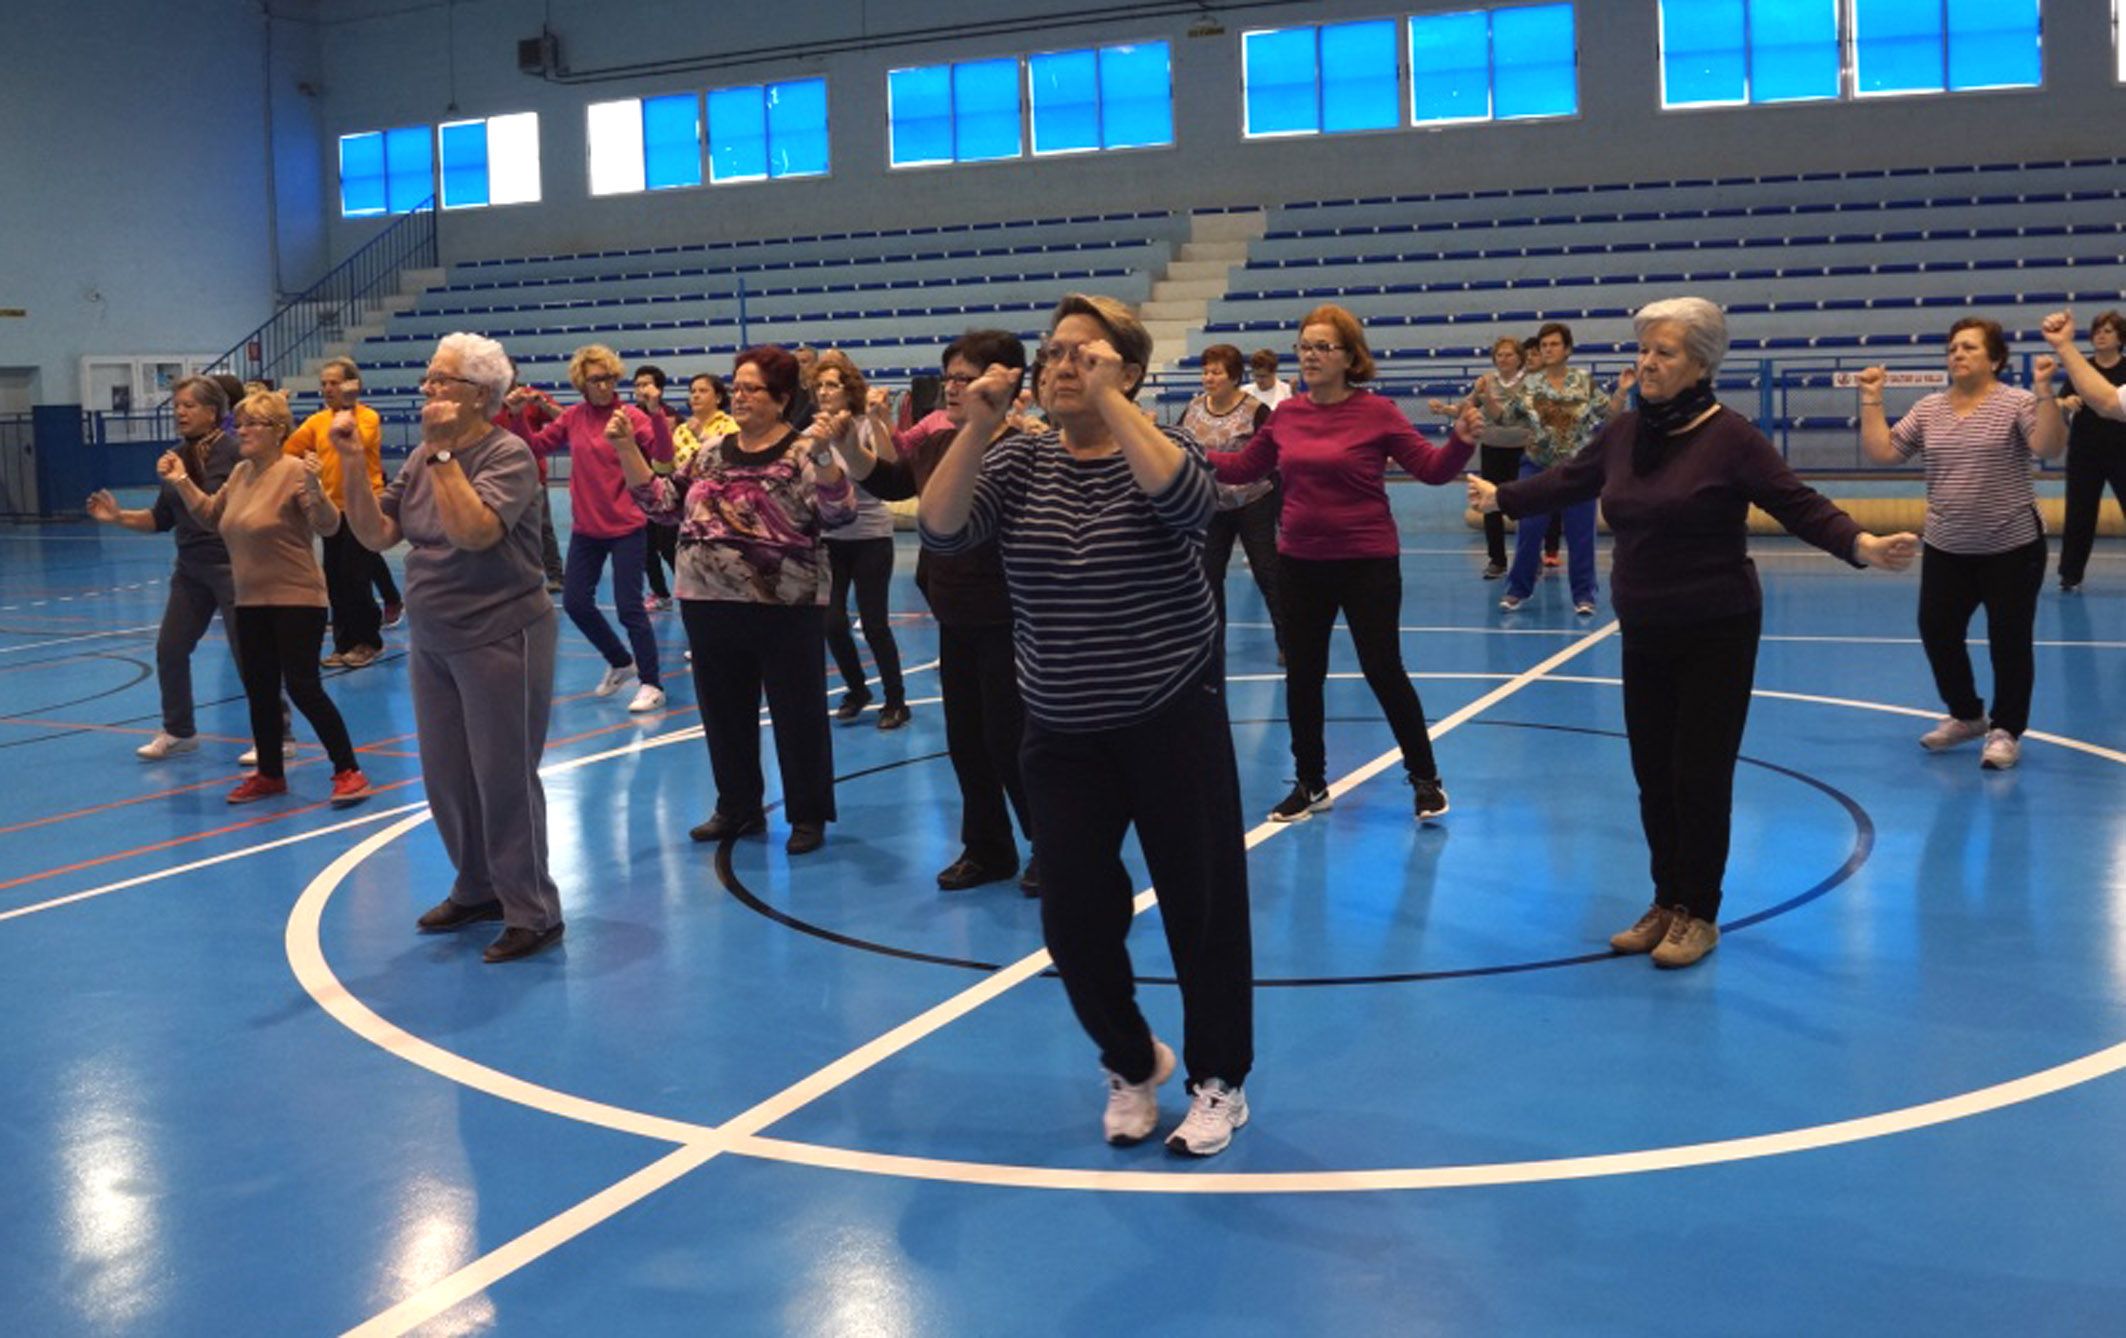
(1215, 1113)
(166, 745)
(2002, 751)
(614, 680)
(1133, 1107)
(249, 757)
(1952, 732)
(648, 697)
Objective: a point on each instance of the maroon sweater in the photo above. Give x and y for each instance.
(1682, 552)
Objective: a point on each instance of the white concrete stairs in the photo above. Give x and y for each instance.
(412, 283)
(1182, 296)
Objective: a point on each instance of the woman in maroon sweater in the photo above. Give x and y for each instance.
(1676, 477)
(1338, 548)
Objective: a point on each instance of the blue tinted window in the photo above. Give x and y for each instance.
(919, 109)
(1450, 67)
(1897, 46)
(1136, 96)
(738, 134)
(409, 168)
(1534, 61)
(985, 110)
(1066, 100)
(1358, 79)
(797, 128)
(1282, 94)
(1702, 54)
(464, 164)
(671, 141)
(362, 174)
(1793, 50)
(1994, 44)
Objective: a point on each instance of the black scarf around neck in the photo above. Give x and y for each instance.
(1659, 419)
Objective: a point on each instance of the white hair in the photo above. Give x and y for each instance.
(480, 360)
(1704, 326)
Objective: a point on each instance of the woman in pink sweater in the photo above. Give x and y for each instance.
(1337, 546)
(270, 513)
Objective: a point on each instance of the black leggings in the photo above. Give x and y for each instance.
(1255, 526)
(664, 543)
(867, 564)
(1952, 587)
(1502, 464)
(278, 644)
(2090, 466)
(1370, 593)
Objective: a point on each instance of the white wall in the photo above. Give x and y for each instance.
(394, 67)
(137, 211)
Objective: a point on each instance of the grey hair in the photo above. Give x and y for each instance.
(1704, 326)
(207, 391)
(480, 360)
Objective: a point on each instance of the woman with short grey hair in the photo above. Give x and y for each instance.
(1676, 476)
(481, 665)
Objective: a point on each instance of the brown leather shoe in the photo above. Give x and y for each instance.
(806, 837)
(447, 914)
(516, 942)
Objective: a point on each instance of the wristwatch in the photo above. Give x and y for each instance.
(442, 456)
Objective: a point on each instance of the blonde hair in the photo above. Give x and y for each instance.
(589, 356)
(270, 405)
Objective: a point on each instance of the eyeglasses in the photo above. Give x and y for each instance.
(601, 380)
(1306, 346)
(960, 379)
(446, 379)
(741, 388)
(1052, 354)
(242, 423)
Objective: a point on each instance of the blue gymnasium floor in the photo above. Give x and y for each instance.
(242, 1096)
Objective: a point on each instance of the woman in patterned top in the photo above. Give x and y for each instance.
(1564, 407)
(751, 509)
(1499, 448)
(1221, 420)
(1985, 547)
(706, 419)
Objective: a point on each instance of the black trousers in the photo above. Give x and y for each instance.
(1952, 587)
(985, 722)
(868, 565)
(1502, 464)
(664, 545)
(1686, 701)
(2089, 468)
(741, 651)
(1255, 526)
(350, 573)
(387, 589)
(277, 645)
(1174, 779)
(1369, 591)
(549, 542)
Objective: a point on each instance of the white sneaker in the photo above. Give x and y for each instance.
(2002, 750)
(1133, 1107)
(1510, 603)
(249, 757)
(648, 697)
(1213, 1115)
(1951, 732)
(166, 745)
(614, 680)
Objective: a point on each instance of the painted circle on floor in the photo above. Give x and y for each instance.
(742, 1134)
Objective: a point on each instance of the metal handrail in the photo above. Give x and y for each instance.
(303, 326)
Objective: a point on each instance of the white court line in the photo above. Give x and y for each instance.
(306, 957)
(1564, 632)
(85, 636)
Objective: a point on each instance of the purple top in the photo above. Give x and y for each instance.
(1682, 530)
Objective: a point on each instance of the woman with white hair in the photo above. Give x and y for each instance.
(1676, 477)
(481, 663)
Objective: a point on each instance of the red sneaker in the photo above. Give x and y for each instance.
(1552, 560)
(255, 786)
(349, 787)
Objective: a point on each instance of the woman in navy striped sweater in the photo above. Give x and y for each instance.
(1100, 523)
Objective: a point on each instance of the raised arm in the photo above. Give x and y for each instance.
(104, 509)
(1875, 440)
(318, 509)
(364, 516)
(948, 498)
(2093, 386)
(2048, 431)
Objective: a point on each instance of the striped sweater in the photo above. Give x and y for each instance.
(1112, 614)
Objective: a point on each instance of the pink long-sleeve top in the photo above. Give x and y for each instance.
(1333, 459)
(598, 497)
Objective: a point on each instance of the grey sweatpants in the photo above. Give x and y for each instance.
(481, 717)
(195, 593)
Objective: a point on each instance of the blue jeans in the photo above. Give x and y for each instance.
(1528, 548)
(586, 559)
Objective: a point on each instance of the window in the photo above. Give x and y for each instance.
(763, 131)
(962, 113)
(493, 161)
(644, 143)
(386, 171)
(1503, 64)
(1331, 79)
(1729, 52)
(1118, 97)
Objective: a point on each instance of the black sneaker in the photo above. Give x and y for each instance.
(1431, 799)
(853, 703)
(1494, 570)
(893, 715)
(1303, 803)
